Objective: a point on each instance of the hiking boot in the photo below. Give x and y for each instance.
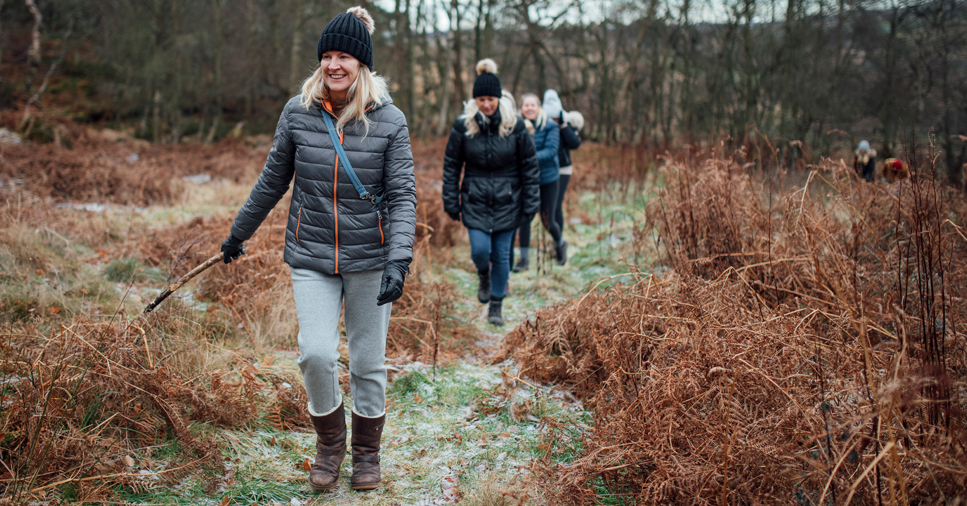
(330, 449)
(366, 436)
(522, 265)
(483, 291)
(493, 314)
(560, 252)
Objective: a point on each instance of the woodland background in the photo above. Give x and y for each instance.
(653, 73)
(721, 334)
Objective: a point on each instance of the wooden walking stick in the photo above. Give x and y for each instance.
(184, 279)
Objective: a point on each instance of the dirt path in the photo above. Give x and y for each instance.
(468, 431)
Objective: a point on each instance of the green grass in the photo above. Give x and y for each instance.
(131, 270)
(44, 279)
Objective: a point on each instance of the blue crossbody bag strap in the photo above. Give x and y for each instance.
(363, 194)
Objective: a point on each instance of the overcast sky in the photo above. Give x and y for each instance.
(703, 11)
(596, 10)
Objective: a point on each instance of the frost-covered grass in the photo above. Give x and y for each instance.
(469, 430)
(451, 433)
(598, 255)
(465, 430)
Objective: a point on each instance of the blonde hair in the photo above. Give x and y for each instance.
(508, 117)
(509, 97)
(541, 115)
(369, 88)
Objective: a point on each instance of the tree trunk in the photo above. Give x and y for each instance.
(888, 108)
(443, 68)
(478, 32)
(488, 35)
(217, 77)
(409, 59)
(295, 57)
(34, 52)
(686, 100)
(175, 111)
(632, 71)
(422, 123)
(1, 31)
(751, 87)
(457, 59)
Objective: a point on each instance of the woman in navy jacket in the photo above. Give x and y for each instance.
(547, 140)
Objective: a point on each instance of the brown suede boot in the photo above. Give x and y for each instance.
(366, 436)
(330, 449)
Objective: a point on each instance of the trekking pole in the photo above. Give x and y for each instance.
(184, 279)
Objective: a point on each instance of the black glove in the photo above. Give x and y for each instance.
(529, 217)
(232, 248)
(454, 216)
(392, 286)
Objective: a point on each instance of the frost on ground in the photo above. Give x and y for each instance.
(448, 434)
(457, 433)
(464, 431)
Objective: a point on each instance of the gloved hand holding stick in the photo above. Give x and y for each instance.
(234, 248)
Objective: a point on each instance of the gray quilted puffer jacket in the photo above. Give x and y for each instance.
(336, 231)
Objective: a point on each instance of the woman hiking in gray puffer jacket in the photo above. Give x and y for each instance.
(490, 147)
(343, 242)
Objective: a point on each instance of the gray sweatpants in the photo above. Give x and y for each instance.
(318, 298)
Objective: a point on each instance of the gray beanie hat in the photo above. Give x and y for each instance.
(552, 105)
(864, 146)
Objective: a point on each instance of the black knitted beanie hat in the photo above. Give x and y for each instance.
(349, 32)
(487, 83)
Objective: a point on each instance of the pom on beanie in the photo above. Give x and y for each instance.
(363, 16)
(349, 32)
(575, 119)
(487, 83)
(486, 65)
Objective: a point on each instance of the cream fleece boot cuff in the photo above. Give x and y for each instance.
(370, 417)
(313, 413)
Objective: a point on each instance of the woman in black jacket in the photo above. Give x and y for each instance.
(490, 148)
(570, 123)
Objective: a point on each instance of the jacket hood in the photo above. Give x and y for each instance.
(552, 104)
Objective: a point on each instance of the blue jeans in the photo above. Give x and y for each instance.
(492, 251)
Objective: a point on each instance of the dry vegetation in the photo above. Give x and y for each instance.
(805, 344)
(90, 393)
(808, 346)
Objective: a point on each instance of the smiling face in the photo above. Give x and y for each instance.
(487, 105)
(339, 73)
(530, 107)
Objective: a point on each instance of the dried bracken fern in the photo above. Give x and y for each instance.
(804, 348)
(78, 399)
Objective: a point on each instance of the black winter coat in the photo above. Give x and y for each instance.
(569, 140)
(501, 177)
(331, 230)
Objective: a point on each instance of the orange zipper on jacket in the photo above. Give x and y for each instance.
(298, 223)
(335, 186)
(380, 217)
